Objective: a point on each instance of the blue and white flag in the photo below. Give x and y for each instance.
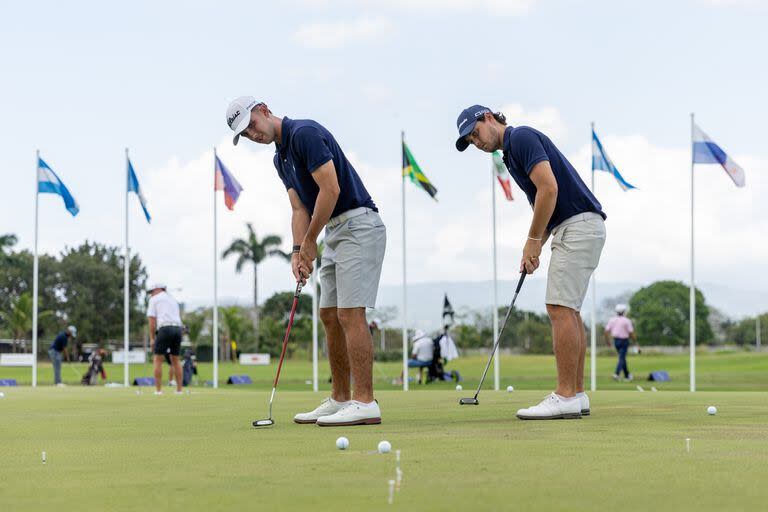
(601, 162)
(705, 151)
(49, 183)
(133, 186)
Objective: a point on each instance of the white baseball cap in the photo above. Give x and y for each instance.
(72, 330)
(621, 308)
(239, 115)
(418, 334)
(157, 286)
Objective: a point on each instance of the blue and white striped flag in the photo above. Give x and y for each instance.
(705, 151)
(601, 162)
(133, 186)
(49, 183)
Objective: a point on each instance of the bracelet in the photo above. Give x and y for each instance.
(535, 239)
(296, 248)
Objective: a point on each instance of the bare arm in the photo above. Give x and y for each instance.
(325, 177)
(546, 197)
(299, 226)
(152, 329)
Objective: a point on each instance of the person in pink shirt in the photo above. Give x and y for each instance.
(620, 328)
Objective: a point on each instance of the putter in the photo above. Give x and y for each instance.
(269, 421)
(473, 400)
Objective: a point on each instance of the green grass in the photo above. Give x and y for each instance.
(110, 449)
(726, 371)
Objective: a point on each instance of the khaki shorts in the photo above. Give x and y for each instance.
(351, 265)
(576, 246)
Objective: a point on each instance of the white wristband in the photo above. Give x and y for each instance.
(536, 239)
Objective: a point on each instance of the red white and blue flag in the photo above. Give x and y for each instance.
(706, 151)
(224, 180)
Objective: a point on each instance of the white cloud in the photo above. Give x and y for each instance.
(327, 35)
(545, 119)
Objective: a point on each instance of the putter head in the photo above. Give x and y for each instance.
(469, 401)
(264, 423)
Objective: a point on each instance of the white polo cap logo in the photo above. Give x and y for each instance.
(239, 115)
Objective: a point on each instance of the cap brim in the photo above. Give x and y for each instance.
(240, 128)
(461, 142)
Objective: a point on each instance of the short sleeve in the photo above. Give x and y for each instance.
(630, 326)
(526, 149)
(609, 325)
(152, 308)
(311, 147)
(281, 173)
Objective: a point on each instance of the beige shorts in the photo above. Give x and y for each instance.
(576, 246)
(355, 242)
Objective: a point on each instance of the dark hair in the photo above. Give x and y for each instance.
(498, 116)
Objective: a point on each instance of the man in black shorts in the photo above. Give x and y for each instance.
(164, 333)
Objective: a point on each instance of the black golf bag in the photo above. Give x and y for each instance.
(95, 368)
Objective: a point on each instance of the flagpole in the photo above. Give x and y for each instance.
(126, 280)
(405, 300)
(313, 277)
(34, 274)
(593, 326)
(496, 362)
(692, 312)
(215, 282)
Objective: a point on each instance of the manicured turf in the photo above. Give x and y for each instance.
(726, 371)
(111, 449)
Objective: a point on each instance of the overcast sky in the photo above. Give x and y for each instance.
(82, 81)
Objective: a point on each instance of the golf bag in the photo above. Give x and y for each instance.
(436, 370)
(189, 368)
(95, 368)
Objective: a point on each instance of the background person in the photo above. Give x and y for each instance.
(164, 334)
(58, 350)
(620, 329)
(422, 353)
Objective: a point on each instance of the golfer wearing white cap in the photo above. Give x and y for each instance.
(164, 333)
(565, 209)
(620, 329)
(325, 191)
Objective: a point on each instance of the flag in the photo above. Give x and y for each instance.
(705, 151)
(133, 186)
(502, 174)
(49, 183)
(601, 162)
(447, 311)
(413, 171)
(225, 181)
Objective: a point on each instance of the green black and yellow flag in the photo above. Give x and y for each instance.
(413, 171)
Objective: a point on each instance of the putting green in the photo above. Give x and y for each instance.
(111, 449)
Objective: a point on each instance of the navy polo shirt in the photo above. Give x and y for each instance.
(524, 147)
(60, 342)
(306, 145)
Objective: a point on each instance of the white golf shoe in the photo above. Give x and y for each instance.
(326, 408)
(353, 413)
(553, 407)
(584, 403)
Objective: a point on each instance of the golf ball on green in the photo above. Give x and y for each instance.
(458, 387)
(384, 447)
(711, 410)
(342, 443)
(510, 389)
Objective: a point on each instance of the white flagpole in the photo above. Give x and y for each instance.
(593, 326)
(757, 333)
(126, 280)
(313, 277)
(497, 358)
(215, 283)
(34, 275)
(692, 312)
(405, 300)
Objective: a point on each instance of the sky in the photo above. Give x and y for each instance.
(82, 81)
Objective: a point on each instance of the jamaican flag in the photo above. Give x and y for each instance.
(413, 171)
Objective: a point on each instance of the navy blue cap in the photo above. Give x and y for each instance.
(466, 123)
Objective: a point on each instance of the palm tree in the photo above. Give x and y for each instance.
(6, 242)
(254, 251)
(20, 319)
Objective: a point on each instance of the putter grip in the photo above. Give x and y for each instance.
(520, 281)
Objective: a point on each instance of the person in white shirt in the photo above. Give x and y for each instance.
(422, 353)
(164, 333)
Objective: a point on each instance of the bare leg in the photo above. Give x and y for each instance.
(337, 354)
(582, 355)
(176, 366)
(359, 350)
(567, 345)
(158, 368)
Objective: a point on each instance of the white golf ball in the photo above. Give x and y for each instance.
(342, 443)
(384, 447)
(711, 410)
(2, 395)
(510, 389)
(458, 387)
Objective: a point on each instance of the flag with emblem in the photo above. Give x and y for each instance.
(412, 170)
(502, 174)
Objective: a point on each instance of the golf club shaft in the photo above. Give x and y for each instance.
(498, 338)
(287, 334)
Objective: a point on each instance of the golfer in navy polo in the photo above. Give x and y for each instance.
(325, 191)
(566, 211)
